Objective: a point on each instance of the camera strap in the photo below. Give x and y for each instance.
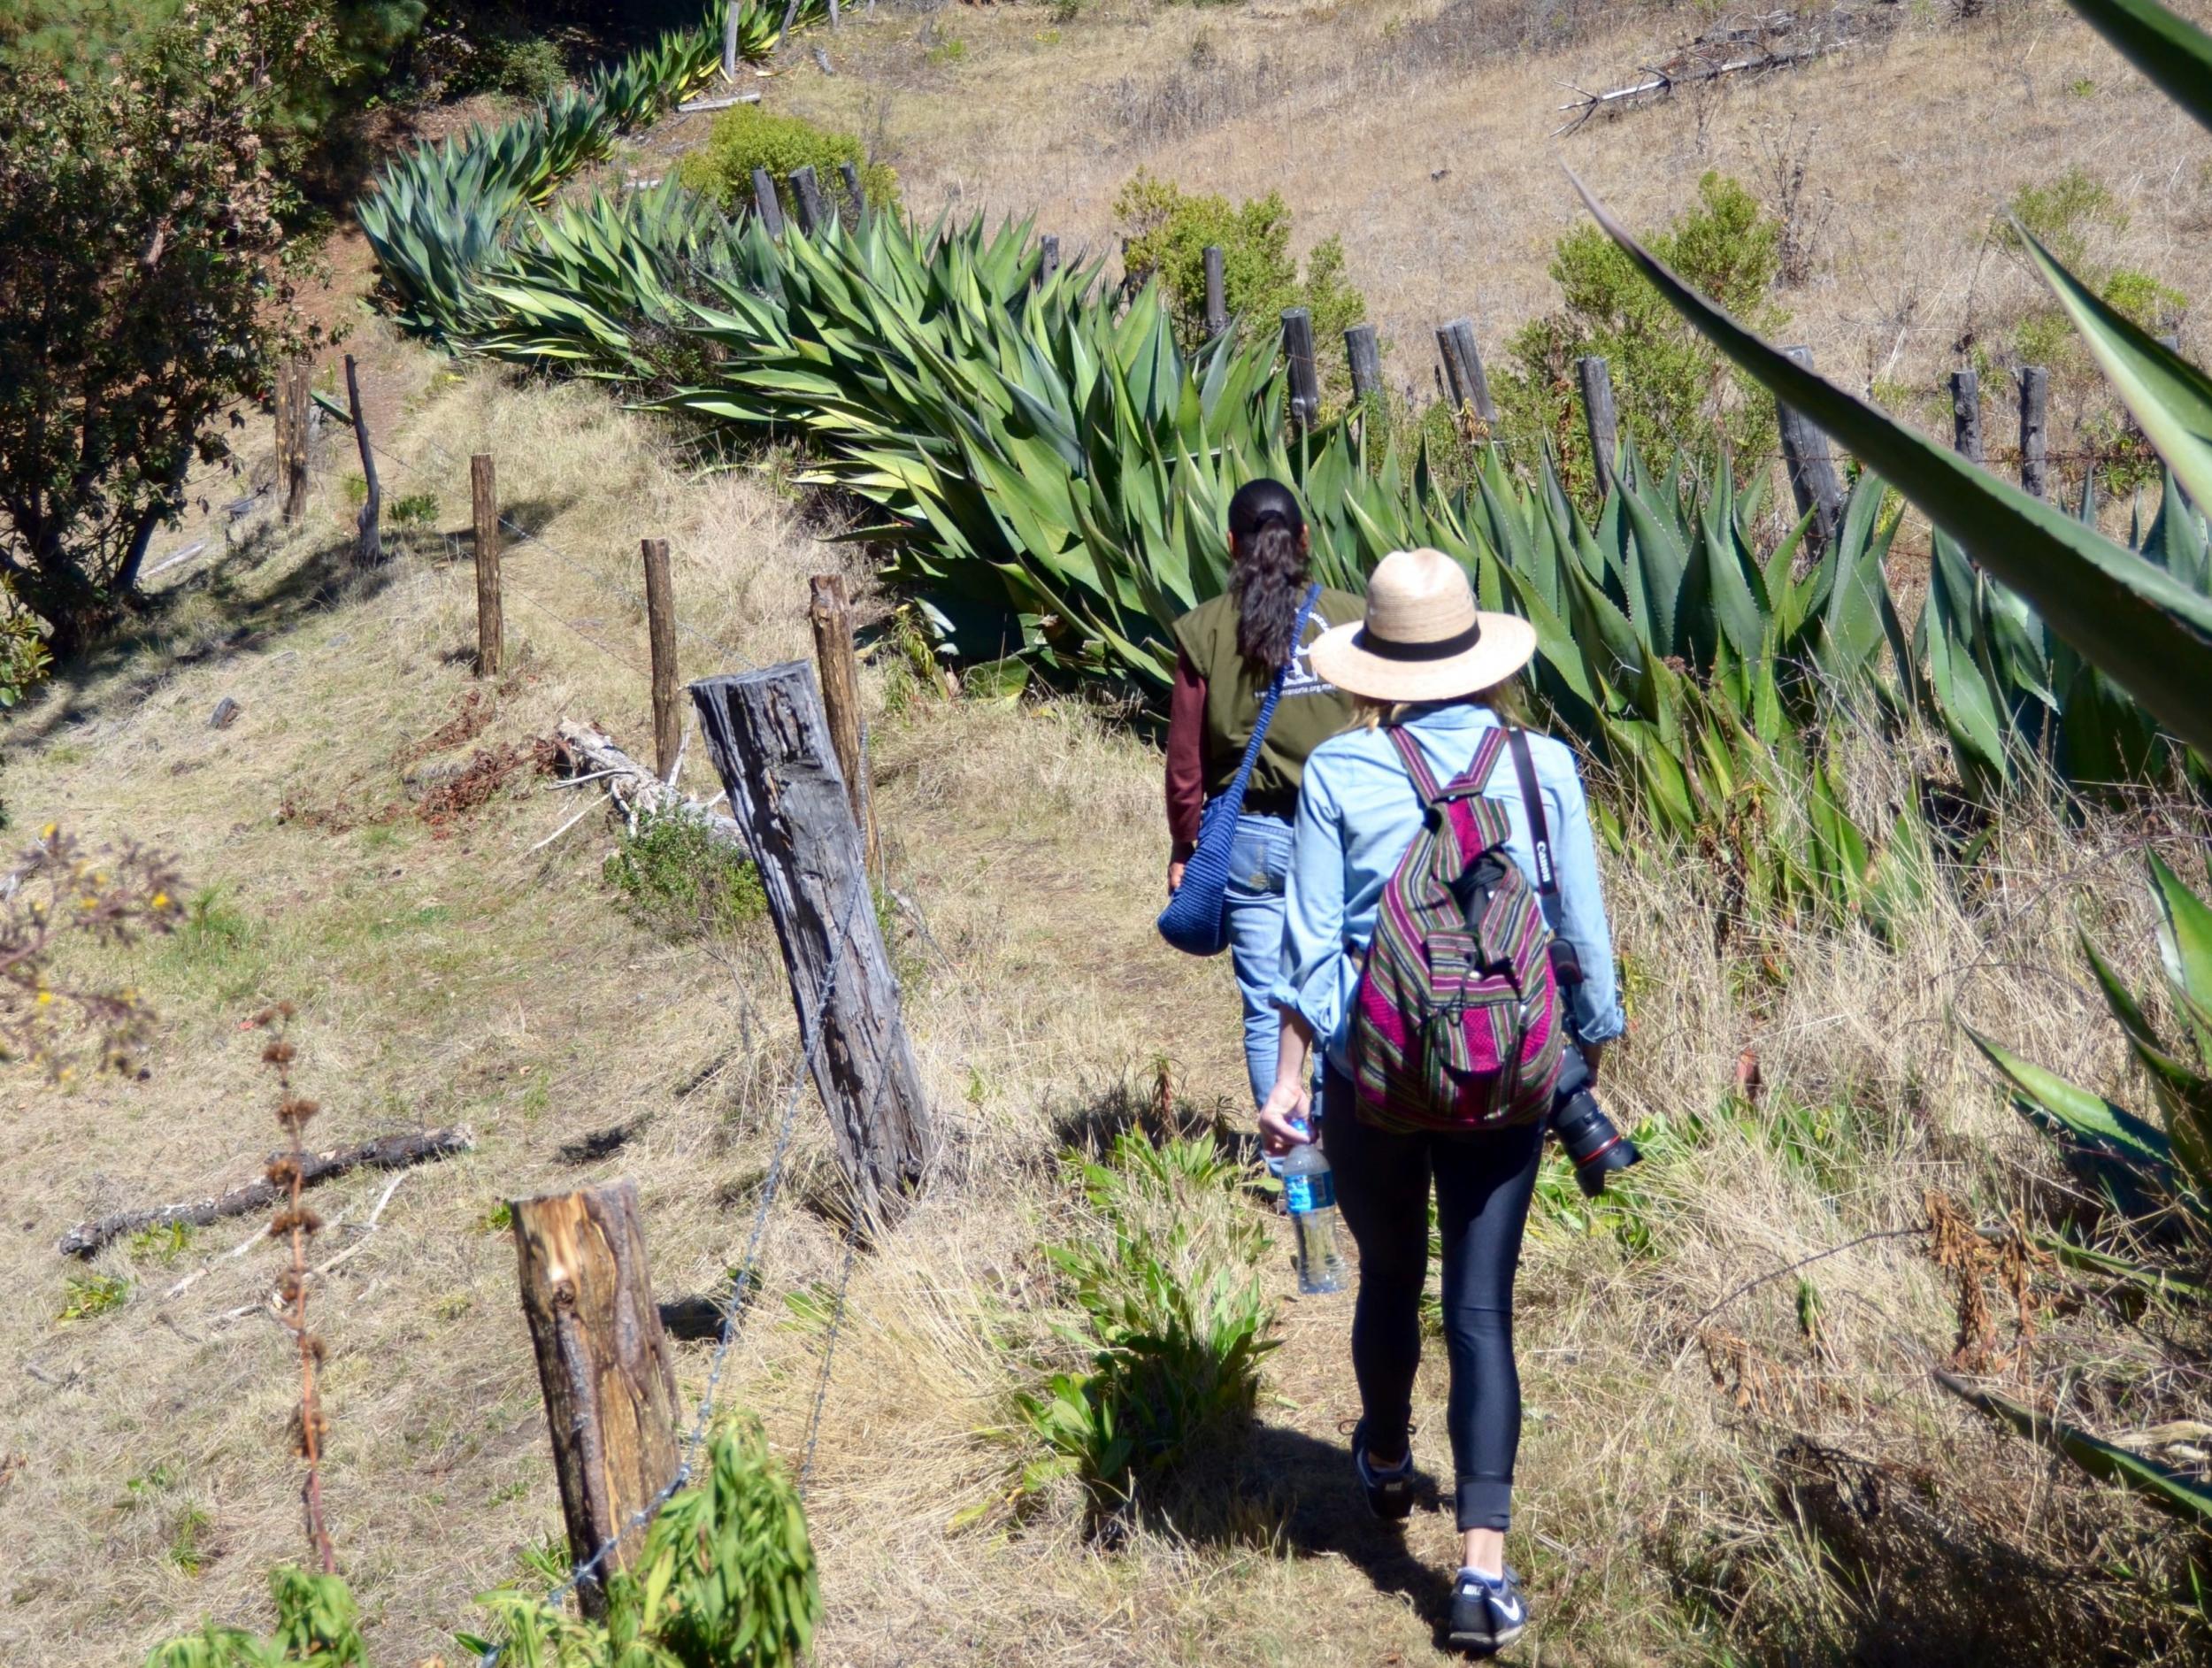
(1533, 801)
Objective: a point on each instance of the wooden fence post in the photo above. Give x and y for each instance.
(1048, 259)
(771, 745)
(368, 538)
(295, 397)
(484, 504)
(2035, 442)
(1811, 465)
(806, 191)
(1364, 349)
(603, 1365)
(660, 626)
(1216, 293)
(1305, 381)
(830, 612)
(766, 203)
(1469, 383)
(1966, 415)
(855, 197)
(729, 45)
(1600, 419)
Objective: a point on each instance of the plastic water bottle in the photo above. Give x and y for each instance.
(1310, 1193)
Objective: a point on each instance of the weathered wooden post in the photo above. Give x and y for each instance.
(729, 44)
(856, 198)
(772, 745)
(368, 535)
(1305, 381)
(1469, 383)
(806, 191)
(1364, 349)
(1599, 419)
(1811, 464)
(295, 396)
(1966, 415)
(766, 203)
(660, 627)
(2035, 442)
(484, 506)
(830, 612)
(603, 1365)
(1216, 293)
(1048, 259)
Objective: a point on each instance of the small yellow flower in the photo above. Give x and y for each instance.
(161, 900)
(45, 998)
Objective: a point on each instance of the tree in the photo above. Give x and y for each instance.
(141, 252)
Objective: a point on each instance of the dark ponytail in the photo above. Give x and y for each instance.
(1270, 577)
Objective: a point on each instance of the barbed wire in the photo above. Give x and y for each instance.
(829, 1346)
(741, 1283)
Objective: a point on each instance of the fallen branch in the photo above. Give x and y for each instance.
(590, 750)
(386, 1152)
(1660, 83)
(695, 106)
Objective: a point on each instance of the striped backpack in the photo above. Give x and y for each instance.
(1458, 1023)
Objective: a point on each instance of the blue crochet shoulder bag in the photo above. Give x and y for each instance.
(1196, 918)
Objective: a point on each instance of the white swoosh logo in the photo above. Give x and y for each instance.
(1509, 1608)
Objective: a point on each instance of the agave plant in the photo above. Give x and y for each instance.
(2155, 1177)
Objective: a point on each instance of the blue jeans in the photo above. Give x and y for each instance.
(1259, 869)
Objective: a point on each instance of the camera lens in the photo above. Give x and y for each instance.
(1593, 1145)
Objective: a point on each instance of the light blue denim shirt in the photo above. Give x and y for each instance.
(1357, 812)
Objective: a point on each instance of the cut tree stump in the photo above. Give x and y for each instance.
(602, 1363)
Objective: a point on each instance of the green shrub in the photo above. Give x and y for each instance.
(415, 511)
(91, 1295)
(1669, 383)
(1168, 1306)
(530, 67)
(727, 1579)
(23, 657)
(1168, 231)
(750, 137)
(678, 879)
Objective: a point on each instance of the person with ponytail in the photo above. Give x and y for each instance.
(1229, 651)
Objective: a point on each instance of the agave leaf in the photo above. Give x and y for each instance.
(2148, 631)
(2182, 1496)
(2096, 1122)
(2185, 945)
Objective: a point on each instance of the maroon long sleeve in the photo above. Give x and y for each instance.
(1186, 756)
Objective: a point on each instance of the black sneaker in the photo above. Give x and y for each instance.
(1487, 1614)
(1389, 1493)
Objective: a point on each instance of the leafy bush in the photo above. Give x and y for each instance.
(23, 657)
(1669, 383)
(750, 137)
(138, 236)
(1170, 1309)
(681, 881)
(318, 1626)
(727, 1579)
(1169, 230)
(91, 1295)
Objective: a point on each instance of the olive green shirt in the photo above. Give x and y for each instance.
(1308, 714)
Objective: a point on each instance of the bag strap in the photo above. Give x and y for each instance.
(1533, 802)
(1425, 784)
(1235, 792)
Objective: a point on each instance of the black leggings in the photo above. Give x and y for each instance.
(1483, 1186)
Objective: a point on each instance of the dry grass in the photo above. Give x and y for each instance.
(1671, 1479)
(1422, 135)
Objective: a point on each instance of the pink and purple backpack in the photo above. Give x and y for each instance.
(1458, 1025)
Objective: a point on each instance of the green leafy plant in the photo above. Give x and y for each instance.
(751, 137)
(726, 1580)
(1168, 1308)
(677, 878)
(89, 1296)
(317, 1625)
(414, 512)
(1167, 231)
(24, 659)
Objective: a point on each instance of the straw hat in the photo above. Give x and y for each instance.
(1424, 638)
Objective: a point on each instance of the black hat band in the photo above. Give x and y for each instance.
(1442, 648)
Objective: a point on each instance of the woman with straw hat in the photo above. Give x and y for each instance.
(1427, 664)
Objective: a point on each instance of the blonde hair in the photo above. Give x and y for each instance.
(1506, 699)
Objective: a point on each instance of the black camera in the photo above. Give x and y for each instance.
(1596, 1148)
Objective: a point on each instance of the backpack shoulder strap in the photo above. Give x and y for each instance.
(1533, 802)
(1417, 765)
(1487, 752)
